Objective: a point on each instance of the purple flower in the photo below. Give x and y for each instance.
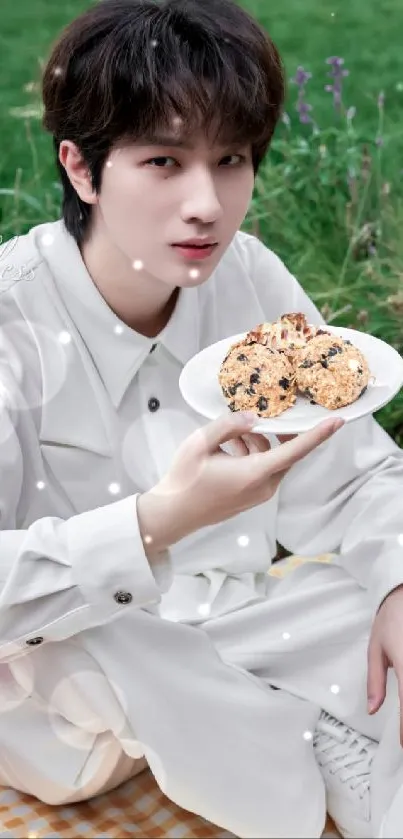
(337, 73)
(335, 61)
(303, 108)
(301, 77)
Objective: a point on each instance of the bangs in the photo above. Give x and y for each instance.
(175, 70)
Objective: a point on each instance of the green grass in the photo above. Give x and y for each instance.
(302, 206)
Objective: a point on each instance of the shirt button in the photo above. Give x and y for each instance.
(123, 597)
(153, 404)
(33, 641)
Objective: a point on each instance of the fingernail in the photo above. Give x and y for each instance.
(371, 705)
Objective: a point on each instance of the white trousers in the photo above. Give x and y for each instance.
(196, 704)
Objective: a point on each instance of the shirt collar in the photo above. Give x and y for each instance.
(117, 350)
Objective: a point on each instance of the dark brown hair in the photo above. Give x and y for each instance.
(124, 68)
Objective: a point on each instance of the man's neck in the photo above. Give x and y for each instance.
(141, 302)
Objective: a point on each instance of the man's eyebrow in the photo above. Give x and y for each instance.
(165, 140)
(178, 142)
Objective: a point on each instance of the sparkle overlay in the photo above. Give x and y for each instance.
(114, 488)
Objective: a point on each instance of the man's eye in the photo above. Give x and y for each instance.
(159, 161)
(241, 157)
(153, 159)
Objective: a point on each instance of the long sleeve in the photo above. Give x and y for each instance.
(347, 496)
(59, 577)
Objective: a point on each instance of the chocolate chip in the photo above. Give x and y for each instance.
(282, 398)
(250, 391)
(242, 357)
(225, 391)
(254, 379)
(349, 343)
(284, 383)
(324, 363)
(232, 406)
(306, 363)
(233, 389)
(360, 370)
(313, 402)
(262, 403)
(334, 351)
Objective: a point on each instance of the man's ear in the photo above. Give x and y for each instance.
(77, 170)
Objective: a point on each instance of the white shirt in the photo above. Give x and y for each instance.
(79, 441)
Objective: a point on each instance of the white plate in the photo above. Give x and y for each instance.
(200, 388)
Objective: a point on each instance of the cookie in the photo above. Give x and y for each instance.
(256, 378)
(331, 371)
(287, 334)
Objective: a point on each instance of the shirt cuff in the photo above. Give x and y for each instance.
(108, 559)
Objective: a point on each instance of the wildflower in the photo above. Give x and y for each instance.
(337, 73)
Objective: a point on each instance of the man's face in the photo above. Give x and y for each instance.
(155, 194)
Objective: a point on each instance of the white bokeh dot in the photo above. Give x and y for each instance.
(73, 711)
(19, 333)
(57, 71)
(109, 164)
(64, 337)
(114, 488)
(118, 329)
(137, 264)
(148, 539)
(335, 688)
(307, 735)
(243, 541)
(47, 239)
(40, 484)
(154, 43)
(286, 636)
(194, 273)
(17, 682)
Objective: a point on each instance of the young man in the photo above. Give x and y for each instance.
(138, 624)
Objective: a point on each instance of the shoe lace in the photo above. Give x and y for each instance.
(349, 752)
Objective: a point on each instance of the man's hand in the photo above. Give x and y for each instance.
(385, 650)
(205, 486)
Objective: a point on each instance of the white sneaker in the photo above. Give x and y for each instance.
(345, 759)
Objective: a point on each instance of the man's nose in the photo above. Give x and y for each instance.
(202, 201)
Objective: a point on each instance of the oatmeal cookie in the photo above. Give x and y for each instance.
(256, 378)
(331, 371)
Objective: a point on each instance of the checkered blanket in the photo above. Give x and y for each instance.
(137, 808)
